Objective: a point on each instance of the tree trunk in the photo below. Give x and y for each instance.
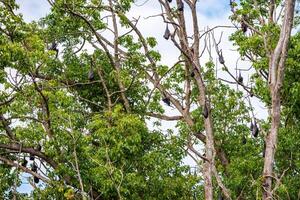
(276, 71)
(208, 166)
(271, 142)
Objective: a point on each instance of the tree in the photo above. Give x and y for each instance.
(80, 83)
(71, 133)
(274, 54)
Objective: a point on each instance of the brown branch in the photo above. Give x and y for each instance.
(30, 150)
(117, 65)
(164, 117)
(225, 190)
(109, 102)
(79, 49)
(271, 11)
(25, 117)
(8, 101)
(192, 149)
(98, 37)
(45, 109)
(11, 163)
(7, 128)
(215, 27)
(125, 89)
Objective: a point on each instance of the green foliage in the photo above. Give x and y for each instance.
(140, 162)
(118, 157)
(7, 179)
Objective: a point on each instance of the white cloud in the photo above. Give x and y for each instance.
(33, 9)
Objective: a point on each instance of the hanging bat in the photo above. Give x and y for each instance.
(244, 140)
(34, 167)
(180, 6)
(36, 179)
(167, 33)
(192, 74)
(167, 101)
(244, 27)
(24, 162)
(91, 74)
(39, 147)
(255, 130)
(221, 58)
(240, 78)
(205, 111)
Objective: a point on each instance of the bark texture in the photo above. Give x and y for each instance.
(276, 70)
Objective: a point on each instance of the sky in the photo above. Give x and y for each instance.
(210, 12)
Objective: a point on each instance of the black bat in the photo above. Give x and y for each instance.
(180, 6)
(244, 27)
(167, 101)
(91, 74)
(205, 111)
(244, 140)
(34, 167)
(24, 162)
(221, 58)
(251, 93)
(255, 130)
(240, 78)
(36, 179)
(192, 74)
(167, 33)
(39, 147)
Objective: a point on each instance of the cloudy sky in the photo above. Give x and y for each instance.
(210, 12)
